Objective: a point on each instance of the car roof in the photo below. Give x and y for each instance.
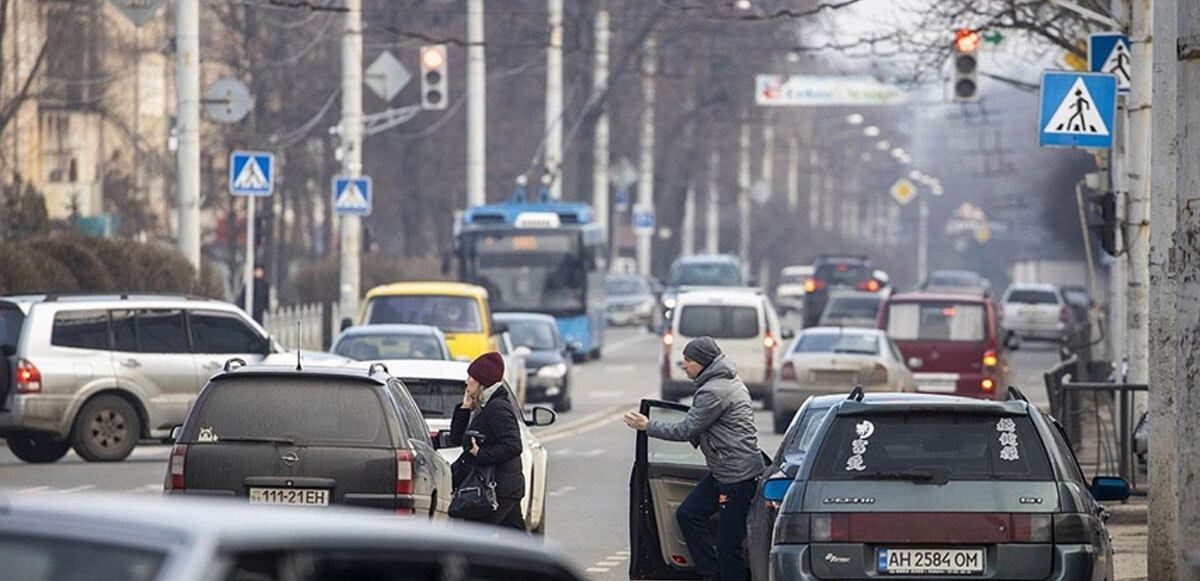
(388, 329)
(460, 289)
(840, 258)
(842, 331)
(961, 405)
(917, 297)
(741, 296)
(853, 294)
(435, 369)
(89, 300)
(827, 401)
(1032, 286)
(797, 269)
(539, 317)
(706, 259)
(365, 373)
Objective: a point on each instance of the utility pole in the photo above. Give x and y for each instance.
(712, 222)
(600, 144)
(768, 156)
(646, 181)
(814, 189)
(476, 106)
(187, 69)
(923, 237)
(1118, 285)
(1138, 238)
(744, 199)
(554, 99)
(352, 128)
(687, 239)
(793, 174)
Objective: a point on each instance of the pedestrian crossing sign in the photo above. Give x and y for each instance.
(1108, 52)
(1077, 110)
(251, 173)
(352, 196)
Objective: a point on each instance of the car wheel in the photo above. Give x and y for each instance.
(106, 429)
(541, 528)
(562, 403)
(768, 400)
(595, 354)
(781, 422)
(37, 448)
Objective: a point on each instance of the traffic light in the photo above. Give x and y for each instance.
(1104, 221)
(966, 66)
(433, 77)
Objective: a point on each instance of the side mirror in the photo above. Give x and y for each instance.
(346, 324)
(1109, 488)
(522, 351)
(915, 363)
(1012, 342)
(775, 489)
(441, 439)
(574, 347)
(176, 433)
(882, 278)
(542, 416)
(788, 334)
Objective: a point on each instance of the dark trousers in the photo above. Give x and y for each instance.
(507, 515)
(731, 504)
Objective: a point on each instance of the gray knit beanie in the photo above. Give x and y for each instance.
(702, 350)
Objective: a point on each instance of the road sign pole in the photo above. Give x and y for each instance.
(600, 144)
(646, 181)
(248, 267)
(352, 49)
(554, 98)
(187, 69)
(923, 238)
(476, 106)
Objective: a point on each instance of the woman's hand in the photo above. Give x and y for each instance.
(474, 447)
(468, 402)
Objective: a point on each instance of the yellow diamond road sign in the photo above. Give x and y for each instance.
(903, 191)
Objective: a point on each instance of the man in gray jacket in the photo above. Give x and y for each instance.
(721, 424)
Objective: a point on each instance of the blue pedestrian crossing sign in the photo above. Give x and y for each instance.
(1108, 52)
(643, 220)
(1077, 110)
(251, 173)
(352, 196)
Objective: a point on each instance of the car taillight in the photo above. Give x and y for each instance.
(871, 286)
(990, 359)
(668, 338)
(769, 355)
(29, 379)
(1031, 528)
(404, 472)
(178, 458)
(1073, 529)
(1062, 315)
(878, 375)
(830, 528)
(812, 284)
(788, 373)
(791, 529)
(769, 341)
(987, 384)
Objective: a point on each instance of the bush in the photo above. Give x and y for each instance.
(77, 254)
(64, 262)
(317, 282)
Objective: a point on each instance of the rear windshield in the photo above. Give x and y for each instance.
(953, 279)
(11, 320)
(449, 313)
(852, 307)
(536, 335)
(937, 321)
(624, 286)
(718, 322)
(391, 346)
(316, 411)
(793, 278)
(860, 343)
(699, 274)
(436, 399)
(1032, 297)
(954, 446)
(32, 558)
(842, 274)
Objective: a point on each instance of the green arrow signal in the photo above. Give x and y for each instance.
(994, 38)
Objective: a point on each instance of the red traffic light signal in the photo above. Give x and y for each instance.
(967, 40)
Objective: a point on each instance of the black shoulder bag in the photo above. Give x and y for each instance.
(475, 499)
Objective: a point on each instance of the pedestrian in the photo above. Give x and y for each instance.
(262, 294)
(720, 423)
(487, 410)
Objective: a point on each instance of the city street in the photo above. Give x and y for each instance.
(591, 453)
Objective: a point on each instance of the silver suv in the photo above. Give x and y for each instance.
(99, 372)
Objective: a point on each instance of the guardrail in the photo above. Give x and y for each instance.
(310, 326)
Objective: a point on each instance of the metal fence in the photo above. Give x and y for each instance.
(308, 326)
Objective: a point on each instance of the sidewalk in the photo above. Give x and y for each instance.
(1127, 525)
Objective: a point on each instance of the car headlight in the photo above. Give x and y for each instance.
(646, 307)
(669, 303)
(553, 371)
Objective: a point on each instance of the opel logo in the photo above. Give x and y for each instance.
(290, 458)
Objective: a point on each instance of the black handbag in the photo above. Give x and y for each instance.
(475, 499)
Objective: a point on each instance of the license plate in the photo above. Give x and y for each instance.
(931, 561)
(290, 496)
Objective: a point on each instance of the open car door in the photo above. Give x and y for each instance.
(664, 473)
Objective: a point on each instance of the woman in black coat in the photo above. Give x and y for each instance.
(487, 410)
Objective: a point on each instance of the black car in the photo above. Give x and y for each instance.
(548, 362)
(316, 437)
(836, 272)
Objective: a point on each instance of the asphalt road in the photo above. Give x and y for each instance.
(591, 453)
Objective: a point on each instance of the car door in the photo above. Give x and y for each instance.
(151, 355)
(664, 473)
(431, 471)
(218, 336)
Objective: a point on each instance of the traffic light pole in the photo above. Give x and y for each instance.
(187, 70)
(646, 180)
(476, 106)
(554, 99)
(600, 143)
(352, 125)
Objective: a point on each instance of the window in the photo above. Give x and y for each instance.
(11, 320)
(33, 558)
(625, 286)
(124, 329)
(324, 411)
(375, 564)
(668, 452)
(81, 330)
(1032, 297)
(861, 307)
(937, 321)
(718, 322)
(224, 333)
(801, 438)
(960, 446)
(161, 331)
(859, 343)
(1074, 472)
(842, 274)
(370, 347)
(701, 274)
(535, 335)
(413, 420)
(451, 314)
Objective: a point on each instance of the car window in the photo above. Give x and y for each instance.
(435, 398)
(852, 307)
(718, 321)
(793, 279)
(706, 274)
(1074, 472)
(375, 564)
(161, 331)
(961, 446)
(858, 343)
(29, 557)
(81, 330)
(223, 333)
(624, 286)
(937, 321)
(409, 410)
(962, 279)
(11, 321)
(800, 439)
(310, 410)
(536, 335)
(1032, 297)
(369, 347)
(451, 314)
(842, 274)
(668, 452)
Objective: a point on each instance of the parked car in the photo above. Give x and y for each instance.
(437, 387)
(952, 343)
(744, 324)
(98, 372)
(54, 537)
(957, 489)
(375, 342)
(825, 360)
(287, 436)
(838, 272)
(1036, 312)
(778, 477)
(956, 282)
(704, 270)
(548, 359)
(789, 295)
(460, 310)
(632, 299)
(516, 369)
(851, 309)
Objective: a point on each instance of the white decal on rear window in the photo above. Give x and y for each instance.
(1008, 440)
(865, 429)
(206, 435)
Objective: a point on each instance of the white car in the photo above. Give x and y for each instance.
(516, 372)
(789, 295)
(437, 386)
(1035, 311)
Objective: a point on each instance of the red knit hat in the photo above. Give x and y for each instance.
(487, 369)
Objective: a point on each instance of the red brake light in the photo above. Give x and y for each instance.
(668, 338)
(1062, 315)
(788, 373)
(948, 311)
(29, 379)
(769, 341)
(404, 472)
(178, 458)
(873, 285)
(990, 359)
(1031, 528)
(811, 284)
(830, 528)
(843, 267)
(987, 384)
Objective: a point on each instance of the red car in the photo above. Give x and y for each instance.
(951, 342)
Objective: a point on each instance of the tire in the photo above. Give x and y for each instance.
(768, 400)
(37, 447)
(541, 528)
(781, 422)
(562, 403)
(106, 429)
(594, 355)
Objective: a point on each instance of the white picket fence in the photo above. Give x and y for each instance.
(301, 326)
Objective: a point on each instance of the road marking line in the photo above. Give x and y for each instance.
(34, 489)
(146, 489)
(623, 343)
(593, 421)
(561, 491)
(596, 570)
(624, 553)
(618, 557)
(608, 564)
(73, 490)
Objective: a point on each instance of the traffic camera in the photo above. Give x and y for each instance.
(966, 66)
(433, 77)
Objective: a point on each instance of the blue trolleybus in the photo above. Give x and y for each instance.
(541, 257)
